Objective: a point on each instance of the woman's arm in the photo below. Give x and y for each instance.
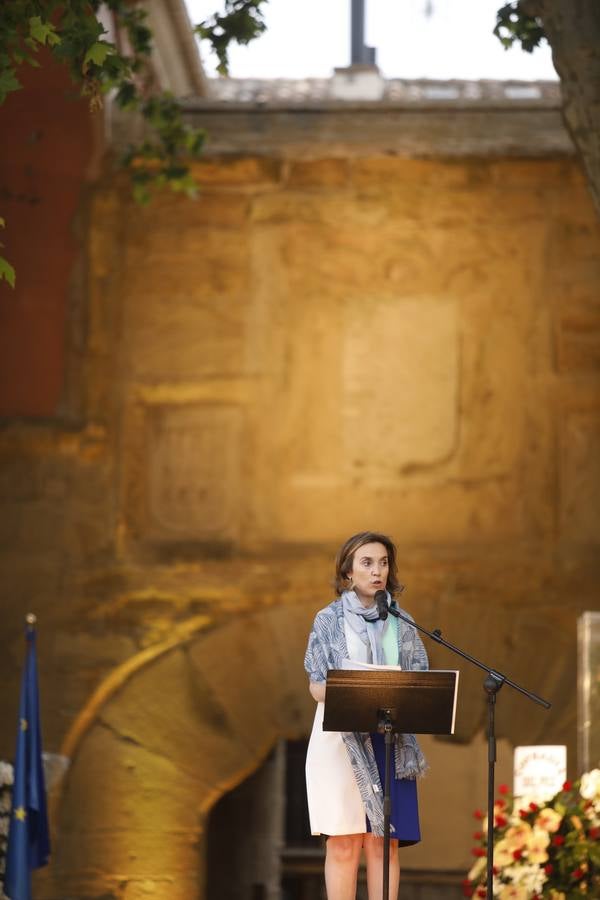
(315, 660)
(317, 690)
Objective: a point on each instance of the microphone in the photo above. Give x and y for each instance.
(382, 604)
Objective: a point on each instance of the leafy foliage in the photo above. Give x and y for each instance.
(6, 270)
(515, 23)
(76, 38)
(242, 22)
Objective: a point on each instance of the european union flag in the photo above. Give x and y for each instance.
(28, 837)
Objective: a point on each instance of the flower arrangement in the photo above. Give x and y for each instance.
(6, 780)
(542, 851)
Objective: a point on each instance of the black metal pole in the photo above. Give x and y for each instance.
(491, 686)
(387, 806)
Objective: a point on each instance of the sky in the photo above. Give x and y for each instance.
(309, 38)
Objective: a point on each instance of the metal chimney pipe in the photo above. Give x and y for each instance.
(359, 53)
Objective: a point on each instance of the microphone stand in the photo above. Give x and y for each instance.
(491, 685)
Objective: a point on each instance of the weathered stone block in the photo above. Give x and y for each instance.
(318, 173)
(580, 476)
(579, 333)
(237, 171)
(393, 173)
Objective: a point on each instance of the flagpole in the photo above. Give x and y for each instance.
(28, 843)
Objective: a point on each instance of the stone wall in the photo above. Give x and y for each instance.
(315, 346)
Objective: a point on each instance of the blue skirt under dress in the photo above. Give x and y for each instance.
(405, 806)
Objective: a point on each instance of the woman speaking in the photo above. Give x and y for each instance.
(345, 771)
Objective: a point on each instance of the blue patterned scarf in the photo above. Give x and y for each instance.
(365, 622)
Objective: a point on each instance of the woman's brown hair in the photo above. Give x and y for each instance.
(345, 557)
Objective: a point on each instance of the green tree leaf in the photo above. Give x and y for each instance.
(8, 83)
(43, 32)
(513, 24)
(241, 22)
(7, 272)
(97, 54)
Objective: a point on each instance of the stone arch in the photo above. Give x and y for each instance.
(151, 756)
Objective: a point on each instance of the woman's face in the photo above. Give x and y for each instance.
(370, 567)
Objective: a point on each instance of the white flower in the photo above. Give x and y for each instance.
(590, 785)
(593, 814)
(6, 773)
(497, 886)
(530, 877)
(477, 868)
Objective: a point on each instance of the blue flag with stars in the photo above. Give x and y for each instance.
(28, 837)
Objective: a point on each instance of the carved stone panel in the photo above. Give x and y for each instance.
(192, 472)
(401, 384)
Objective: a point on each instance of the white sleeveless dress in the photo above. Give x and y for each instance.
(334, 802)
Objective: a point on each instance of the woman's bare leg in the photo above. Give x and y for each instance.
(374, 856)
(341, 865)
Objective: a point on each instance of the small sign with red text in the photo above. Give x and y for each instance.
(539, 771)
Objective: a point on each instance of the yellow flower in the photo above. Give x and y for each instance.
(549, 819)
(518, 835)
(513, 892)
(503, 855)
(536, 847)
(576, 822)
(557, 895)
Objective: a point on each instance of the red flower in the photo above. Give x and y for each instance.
(478, 851)
(478, 835)
(549, 869)
(478, 814)
(595, 833)
(558, 840)
(567, 786)
(501, 821)
(577, 874)
(503, 789)
(500, 803)
(517, 854)
(495, 870)
(523, 813)
(533, 807)
(481, 892)
(467, 888)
